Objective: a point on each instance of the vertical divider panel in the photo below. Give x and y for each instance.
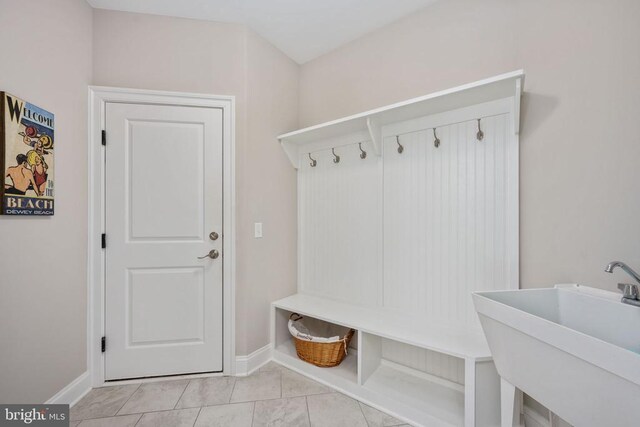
(281, 327)
(469, 393)
(487, 394)
(369, 355)
(482, 393)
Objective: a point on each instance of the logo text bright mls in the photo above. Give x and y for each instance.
(49, 415)
(25, 416)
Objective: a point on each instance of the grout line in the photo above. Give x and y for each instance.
(139, 418)
(308, 413)
(253, 413)
(233, 388)
(362, 412)
(270, 399)
(205, 404)
(327, 392)
(197, 416)
(182, 394)
(129, 398)
(235, 381)
(156, 412)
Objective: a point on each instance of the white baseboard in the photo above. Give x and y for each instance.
(246, 365)
(73, 392)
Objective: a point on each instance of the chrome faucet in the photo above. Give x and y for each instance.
(630, 293)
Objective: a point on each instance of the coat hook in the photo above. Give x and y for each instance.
(363, 154)
(336, 157)
(436, 140)
(480, 134)
(314, 162)
(400, 147)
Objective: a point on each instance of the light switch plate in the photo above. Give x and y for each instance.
(257, 230)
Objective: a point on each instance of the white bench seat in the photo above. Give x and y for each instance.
(440, 338)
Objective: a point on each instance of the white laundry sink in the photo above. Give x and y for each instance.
(573, 348)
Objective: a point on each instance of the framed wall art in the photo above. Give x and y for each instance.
(26, 158)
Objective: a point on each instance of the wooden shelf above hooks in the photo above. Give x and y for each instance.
(368, 125)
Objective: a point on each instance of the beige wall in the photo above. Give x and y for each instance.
(45, 58)
(163, 53)
(580, 140)
(267, 266)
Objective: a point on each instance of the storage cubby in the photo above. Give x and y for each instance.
(285, 352)
(427, 395)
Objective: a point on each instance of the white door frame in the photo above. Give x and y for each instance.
(98, 97)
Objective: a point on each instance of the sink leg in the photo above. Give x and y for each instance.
(507, 403)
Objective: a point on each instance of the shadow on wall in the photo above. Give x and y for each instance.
(536, 109)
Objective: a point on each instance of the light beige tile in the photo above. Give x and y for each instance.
(102, 402)
(377, 418)
(272, 366)
(258, 386)
(335, 410)
(281, 413)
(152, 397)
(123, 421)
(207, 392)
(74, 423)
(177, 418)
(233, 415)
(294, 384)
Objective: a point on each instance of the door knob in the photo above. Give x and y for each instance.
(213, 254)
(213, 235)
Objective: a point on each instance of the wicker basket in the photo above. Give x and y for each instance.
(321, 354)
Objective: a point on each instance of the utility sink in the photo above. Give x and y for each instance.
(573, 348)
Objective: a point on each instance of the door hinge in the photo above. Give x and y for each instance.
(103, 344)
(104, 137)
(104, 240)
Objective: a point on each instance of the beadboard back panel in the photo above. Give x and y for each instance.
(414, 233)
(446, 221)
(420, 359)
(340, 222)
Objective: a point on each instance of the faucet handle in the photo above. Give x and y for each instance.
(629, 291)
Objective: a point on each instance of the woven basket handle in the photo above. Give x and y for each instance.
(345, 340)
(297, 315)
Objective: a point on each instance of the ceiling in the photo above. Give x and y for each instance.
(302, 29)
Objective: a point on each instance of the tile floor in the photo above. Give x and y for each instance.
(274, 397)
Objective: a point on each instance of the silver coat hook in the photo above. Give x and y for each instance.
(480, 134)
(363, 154)
(436, 140)
(400, 147)
(314, 162)
(336, 158)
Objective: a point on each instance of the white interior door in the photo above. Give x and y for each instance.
(163, 204)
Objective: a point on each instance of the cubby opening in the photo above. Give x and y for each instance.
(285, 350)
(427, 395)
